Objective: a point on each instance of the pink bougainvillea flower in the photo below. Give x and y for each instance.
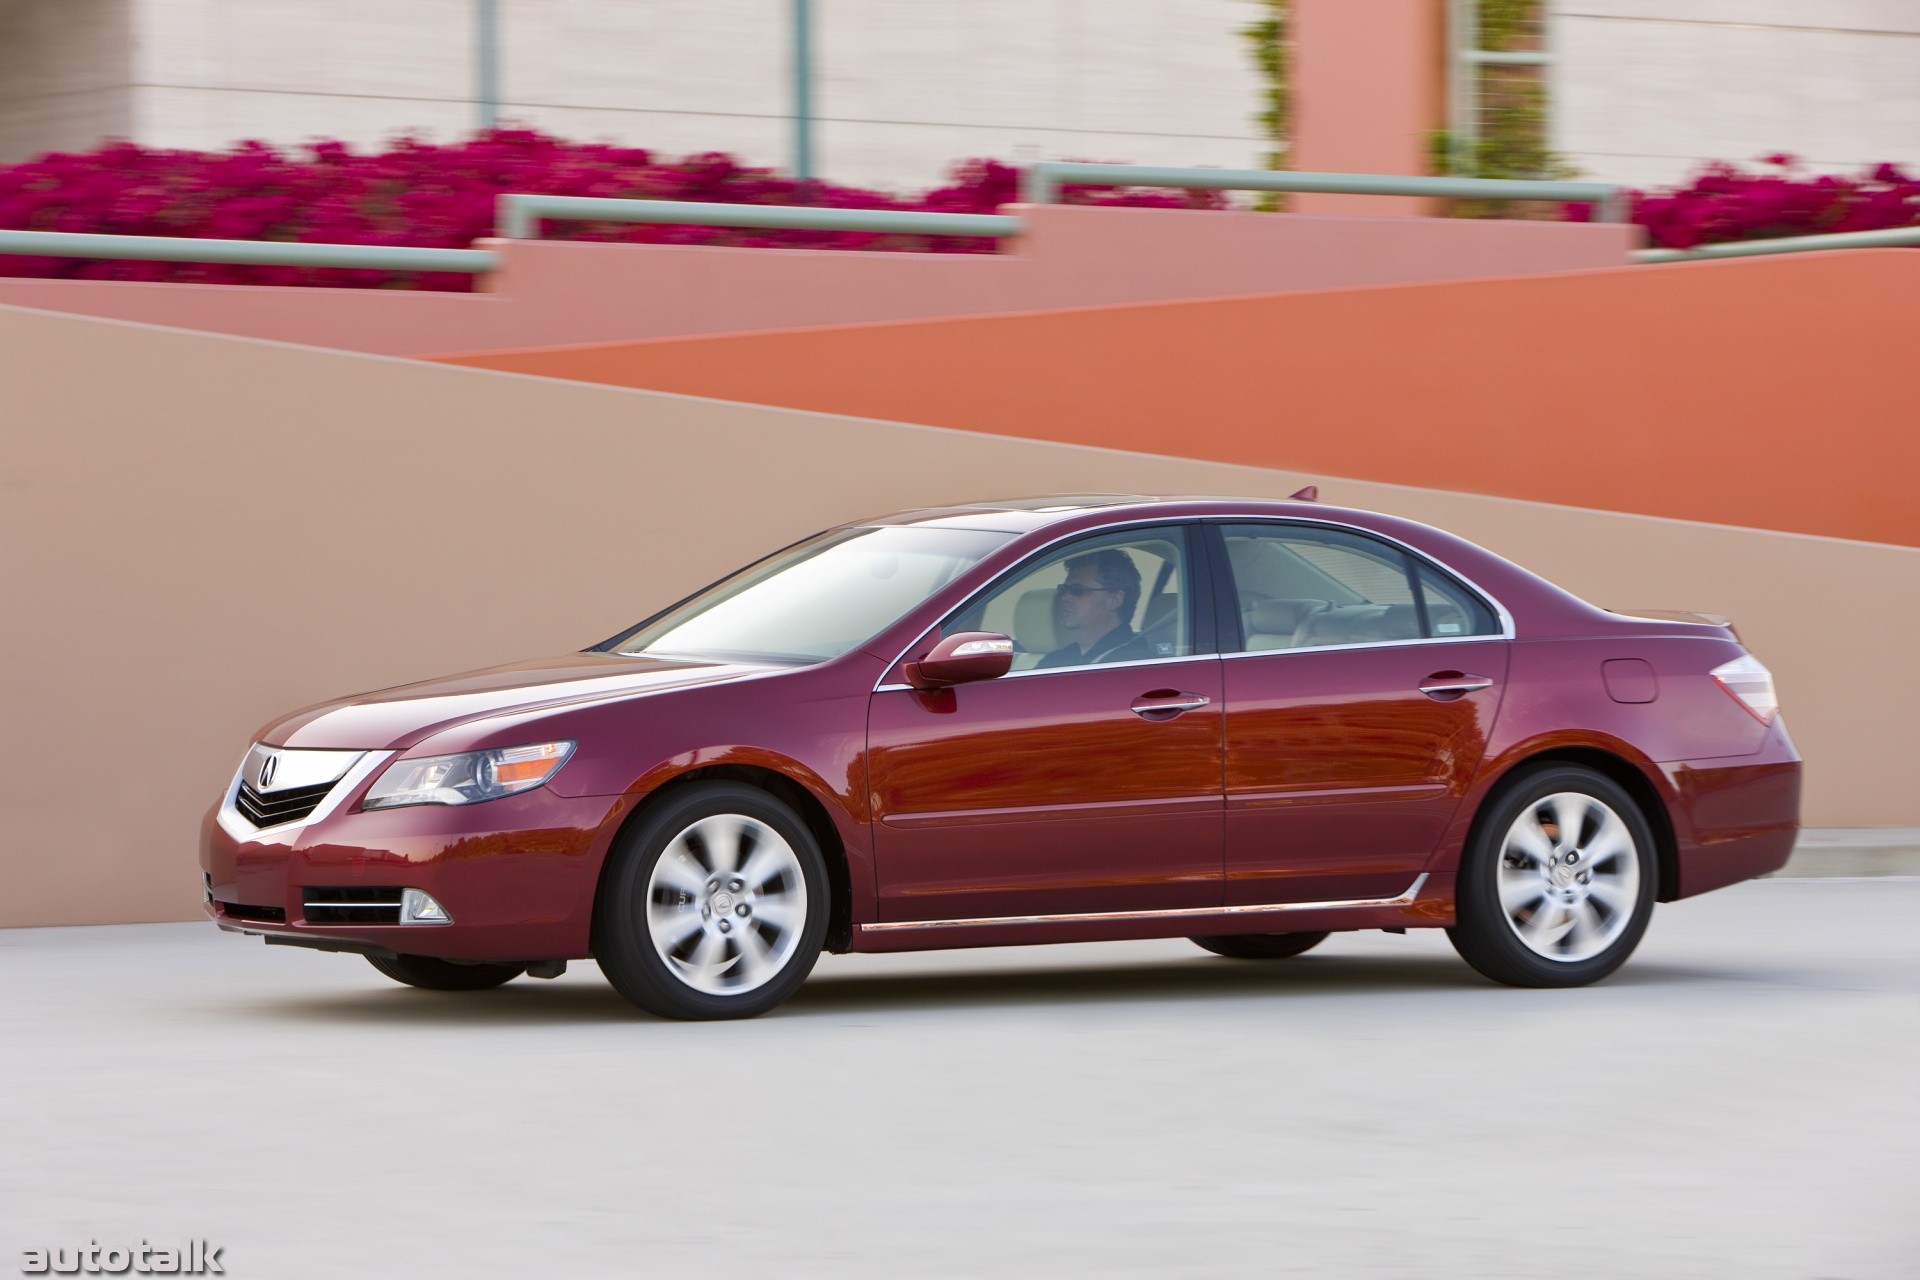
(415, 192)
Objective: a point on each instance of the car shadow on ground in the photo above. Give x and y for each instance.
(1181, 981)
(1202, 979)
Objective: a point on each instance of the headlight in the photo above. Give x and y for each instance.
(468, 778)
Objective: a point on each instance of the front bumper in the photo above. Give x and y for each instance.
(517, 875)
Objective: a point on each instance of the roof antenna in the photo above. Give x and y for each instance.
(1309, 494)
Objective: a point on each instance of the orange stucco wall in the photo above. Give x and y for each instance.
(1772, 393)
(1365, 90)
(550, 293)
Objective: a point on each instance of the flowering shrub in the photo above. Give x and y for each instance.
(1727, 203)
(418, 194)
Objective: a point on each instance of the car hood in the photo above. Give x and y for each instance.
(406, 714)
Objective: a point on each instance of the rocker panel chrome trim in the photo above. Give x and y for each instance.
(1265, 908)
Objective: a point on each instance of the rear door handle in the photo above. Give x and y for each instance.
(1165, 704)
(1445, 686)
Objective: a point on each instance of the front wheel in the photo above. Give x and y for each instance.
(1557, 885)
(1260, 946)
(714, 905)
(430, 974)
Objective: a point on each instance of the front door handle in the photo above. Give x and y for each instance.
(1165, 704)
(1445, 686)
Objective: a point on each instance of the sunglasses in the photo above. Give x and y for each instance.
(1078, 589)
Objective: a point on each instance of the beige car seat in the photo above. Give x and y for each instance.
(1273, 624)
(1033, 633)
(1160, 625)
(1358, 624)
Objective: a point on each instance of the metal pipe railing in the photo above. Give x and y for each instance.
(1043, 181)
(1891, 238)
(520, 216)
(250, 253)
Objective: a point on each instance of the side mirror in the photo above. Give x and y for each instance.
(962, 657)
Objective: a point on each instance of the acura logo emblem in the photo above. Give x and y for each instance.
(267, 767)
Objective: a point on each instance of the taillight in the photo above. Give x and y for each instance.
(1746, 679)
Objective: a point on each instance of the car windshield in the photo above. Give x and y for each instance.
(816, 600)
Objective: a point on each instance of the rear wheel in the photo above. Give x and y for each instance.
(431, 974)
(1557, 886)
(1260, 946)
(714, 905)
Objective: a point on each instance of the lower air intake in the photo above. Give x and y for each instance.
(356, 904)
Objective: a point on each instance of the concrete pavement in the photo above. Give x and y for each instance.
(1738, 1102)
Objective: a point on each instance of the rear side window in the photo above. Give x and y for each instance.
(1302, 587)
(1452, 610)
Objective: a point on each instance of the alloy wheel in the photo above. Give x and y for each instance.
(726, 904)
(1568, 877)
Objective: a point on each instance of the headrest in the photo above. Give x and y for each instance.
(1280, 617)
(1033, 621)
(1359, 624)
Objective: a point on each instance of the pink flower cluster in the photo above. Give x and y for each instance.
(1727, 203)
(418, 194)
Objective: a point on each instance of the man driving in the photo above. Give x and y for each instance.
(1091, 609)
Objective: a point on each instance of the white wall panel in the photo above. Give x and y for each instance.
(1647, 91)
(901, 90)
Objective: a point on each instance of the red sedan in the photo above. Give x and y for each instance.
(1250, 723)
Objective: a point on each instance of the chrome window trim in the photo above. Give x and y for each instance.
(240, 829)
(1419, 556)
(1499, 608)
(1405, 899)
(1363, 644)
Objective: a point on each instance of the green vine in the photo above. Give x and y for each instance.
(1503, 21)
(1266, 38)
(1512, 141)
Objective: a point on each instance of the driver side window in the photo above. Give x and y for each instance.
(1117, 597)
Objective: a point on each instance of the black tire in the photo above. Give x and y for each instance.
(1488, 936)
(624, 944)
(430, 974)
(1260, 946)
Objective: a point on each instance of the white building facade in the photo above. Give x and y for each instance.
(1643, 91)
(901, 88)
(1647, 91)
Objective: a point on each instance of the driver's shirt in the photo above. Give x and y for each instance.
(1122, 644)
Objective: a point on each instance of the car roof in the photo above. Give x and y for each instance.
(1538, 607)
(1024, 515)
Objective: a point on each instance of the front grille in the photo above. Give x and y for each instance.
(241, 911)
(355, 904)
(271, 808)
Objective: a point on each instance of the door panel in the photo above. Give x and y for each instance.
(1341, 776)
(1046, 793)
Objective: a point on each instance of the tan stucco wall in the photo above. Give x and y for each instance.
(199, 532)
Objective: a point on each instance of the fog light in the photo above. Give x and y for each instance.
(417, 906)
